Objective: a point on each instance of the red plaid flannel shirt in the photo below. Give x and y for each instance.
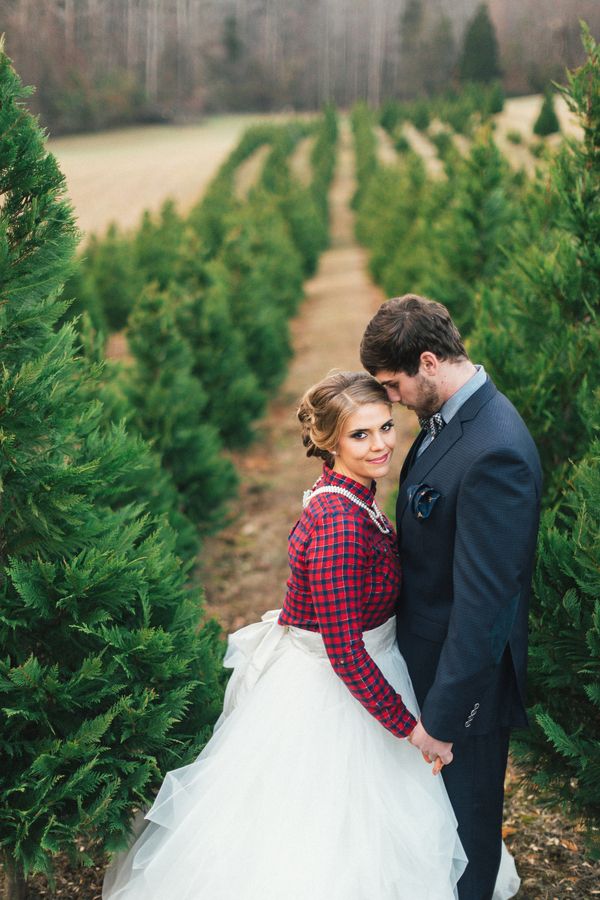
(345, 580)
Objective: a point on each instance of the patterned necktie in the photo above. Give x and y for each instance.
(432, 424)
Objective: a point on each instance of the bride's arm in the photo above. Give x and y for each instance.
(336, 560)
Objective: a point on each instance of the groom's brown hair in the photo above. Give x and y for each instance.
(405, 327)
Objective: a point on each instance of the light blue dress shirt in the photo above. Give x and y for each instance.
(454, 403)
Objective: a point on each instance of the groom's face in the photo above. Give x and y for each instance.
(418, 392)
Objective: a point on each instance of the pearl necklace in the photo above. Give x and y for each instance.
(374, 512)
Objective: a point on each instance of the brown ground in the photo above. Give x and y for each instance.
(244, 568)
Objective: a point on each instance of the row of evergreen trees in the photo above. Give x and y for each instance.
(517, 263)
(460, 113)
(109, 673)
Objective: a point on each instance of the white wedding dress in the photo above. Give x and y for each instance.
(300, 794)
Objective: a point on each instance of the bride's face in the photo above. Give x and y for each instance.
(365, 448)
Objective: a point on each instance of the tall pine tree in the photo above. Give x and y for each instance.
(539, 332)
(106, 678)
(479, 60)
(169, 406)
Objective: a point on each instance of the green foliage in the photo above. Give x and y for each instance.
(514, 136)
(543, 314)
(471, 234)
(264, 275)
(496, 98)
(322, 160)
(443, 143)
(441, 239)
(365, 148)
(564, 744)
(547, 121)
(401, 143)
(157, 244)
(479, 60)
(233, 398)
(81, 293)
(519, 266)
(168, 406)
(545, 356)
(419, 115)
(386, 218)
(115, 280)
(106, 678)
(148, 483)
(296, 203)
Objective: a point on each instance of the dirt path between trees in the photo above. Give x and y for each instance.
(244, 568)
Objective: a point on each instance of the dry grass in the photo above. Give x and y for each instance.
(300, 160)
(248, 172)
(116, 175)
(423, 146)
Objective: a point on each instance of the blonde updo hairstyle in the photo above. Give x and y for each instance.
(326, 406)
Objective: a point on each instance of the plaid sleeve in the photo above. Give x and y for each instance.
(336, 560)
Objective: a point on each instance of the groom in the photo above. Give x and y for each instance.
(467, 517)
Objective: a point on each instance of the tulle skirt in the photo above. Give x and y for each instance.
(300, 794)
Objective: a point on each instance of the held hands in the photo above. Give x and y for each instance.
(437, 752)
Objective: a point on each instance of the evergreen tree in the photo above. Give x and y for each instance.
(547, 121)
(264, 274)
(169, 408)
(563, 746)
(322, 159)
(470, 237)
(539, 332)
(365, 149)
(106, 679)
(148, 483)
(479, 60)
(234, 399)
(296, 204)
(157, 244)
(545, 356)
(389, 210)
(496, 98)
(111, 265)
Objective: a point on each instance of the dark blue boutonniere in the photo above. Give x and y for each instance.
(422, 499)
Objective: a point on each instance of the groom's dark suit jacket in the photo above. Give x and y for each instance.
(467, 566)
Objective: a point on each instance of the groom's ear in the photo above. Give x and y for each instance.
(429, 364)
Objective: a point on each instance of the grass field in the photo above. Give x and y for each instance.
(116, 175)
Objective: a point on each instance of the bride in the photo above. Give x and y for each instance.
(308, 789)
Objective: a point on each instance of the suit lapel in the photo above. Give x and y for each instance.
(411, 455)
(417, 467)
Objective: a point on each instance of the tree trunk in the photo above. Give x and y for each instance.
(152, 49)
(15, 887)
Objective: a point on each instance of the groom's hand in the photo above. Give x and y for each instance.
(429, 746)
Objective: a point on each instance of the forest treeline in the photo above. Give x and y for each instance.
(97, 63)
(517, 263)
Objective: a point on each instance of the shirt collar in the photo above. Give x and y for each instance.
(454, 403)
(329, 477)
